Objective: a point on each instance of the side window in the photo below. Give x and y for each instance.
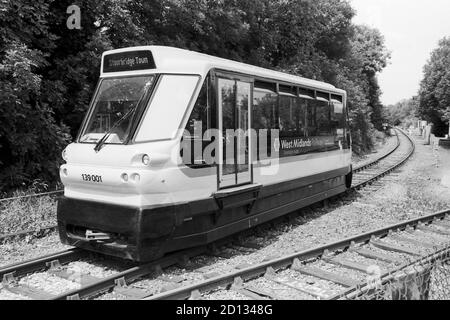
(292, 117)
(265, 115)
(327, 123)
(323, 118)
(265, 106)
(195, 140)
(300, 116)
(337, 116)
(312, 118)
(319, 116)
(338, 120)
(201, 114)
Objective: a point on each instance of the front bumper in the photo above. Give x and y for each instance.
(136, 233)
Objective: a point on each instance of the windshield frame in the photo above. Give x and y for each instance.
(137, 113)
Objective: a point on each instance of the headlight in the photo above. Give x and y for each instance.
(145, 160)
(64, 155)
(135, 177)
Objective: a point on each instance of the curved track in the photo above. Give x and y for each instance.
(364, 175)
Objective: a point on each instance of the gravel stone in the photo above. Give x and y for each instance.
(49, 283)
(15, 252)
(416, 189)
(6, 295)
(280, 290)
(352, 274)
(225, 295)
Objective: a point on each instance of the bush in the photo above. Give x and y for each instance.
(27, 213)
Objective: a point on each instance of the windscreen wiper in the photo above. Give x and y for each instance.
(102, 141)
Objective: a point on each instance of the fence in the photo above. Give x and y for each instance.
(425, 279)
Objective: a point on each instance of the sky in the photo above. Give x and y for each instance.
(412, 29)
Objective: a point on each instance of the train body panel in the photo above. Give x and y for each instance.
(138, 182)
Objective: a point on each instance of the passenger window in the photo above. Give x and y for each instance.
(264, 110)
(265, 115)
(323, 118)
(292, 117)
(300, 118)
(319, 119)
(197, 126)
(201, 114)
(338, 119)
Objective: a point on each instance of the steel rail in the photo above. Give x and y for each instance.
(129, 275)
(391, 168)
(36, 195)
(4, 237)
(143, 270)
(285, 262)
(30, 266)
(374, 162)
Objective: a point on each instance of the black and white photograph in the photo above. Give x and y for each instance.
(225, 155)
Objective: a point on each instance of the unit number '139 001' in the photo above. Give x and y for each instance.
(91, 178)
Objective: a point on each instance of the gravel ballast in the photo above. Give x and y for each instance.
(416, 189)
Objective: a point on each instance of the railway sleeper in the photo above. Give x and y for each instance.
(253, 293)
(394, 248)
(433, 230)
(431, 235)
(376, 255)
(28, 291)
(325, 275)
(423, 244)
(357, 266)
(442, 223)
(130, 293)
(296, 285)
(78, 277)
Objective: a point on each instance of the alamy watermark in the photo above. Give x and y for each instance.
(260, 148)
(74, 20)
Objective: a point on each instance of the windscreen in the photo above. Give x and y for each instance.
(114, 108)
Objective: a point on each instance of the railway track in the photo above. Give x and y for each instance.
(332, 271)
(368, 173)
(90, 286)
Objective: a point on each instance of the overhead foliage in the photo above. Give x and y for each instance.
(403, 113)
(48, 73)
(434, 94)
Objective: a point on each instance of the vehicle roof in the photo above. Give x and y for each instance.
(181, 61)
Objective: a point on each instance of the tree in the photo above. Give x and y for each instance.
(434, 93)
(403, 112)
(48, 73)
(28, 131)
(370, 57)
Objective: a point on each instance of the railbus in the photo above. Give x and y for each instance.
(179, 149)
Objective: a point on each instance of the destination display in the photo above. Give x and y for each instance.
(129, 61)
(297, 146)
